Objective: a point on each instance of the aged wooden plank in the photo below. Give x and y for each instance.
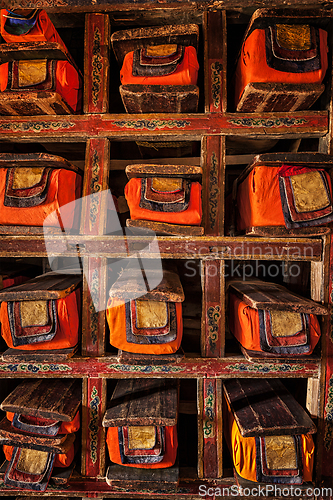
(263, 295)
(41, 160)
(213, 309)
(55, 399)
(47, 286)
(28, 442)
(266, 408)
(150, 359)
(118, 475)
(164, 228)
(97, 65)
(260, 356)
(150, 127)
(135, 283)
(19, 355)
(283, 232)
(128, 40)
(143, 402)
(95, 187)
(148, 170)
(211, 421)
(215, 61)
(61, 475)
(160, 98)
(10, 433)
(213, 181)
(34, 50)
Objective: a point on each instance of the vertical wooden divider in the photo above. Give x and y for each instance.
(96, 63)
(93, 439)
(212, 271)
(93, 222)
(209, 428)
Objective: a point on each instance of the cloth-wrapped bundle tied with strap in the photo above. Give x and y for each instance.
(285, 325)
(276, 191)
(150, 324)
(282, 61)
(43, 322)
(38, 436)
(279, 448)
(34, 187)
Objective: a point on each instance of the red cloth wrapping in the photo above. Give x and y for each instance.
(68, 316)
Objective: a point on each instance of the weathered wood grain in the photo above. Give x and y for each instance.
(118, 475)
(132, 282)
(164, 228)
(34, 50)
(266, 408)
(260, 356)
(263, 295)
(143, 402)
(149, 170)
(19, 355)
(40, 160)
(149, 359)
(47, 286)
(38, 102)
(58, 399)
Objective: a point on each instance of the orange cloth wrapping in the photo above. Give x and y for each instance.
(171, 444)
(252, 66)
(116, 318)
(191, 216)
(68, 314)
(42, 31)
(65, 427)
(185, 74)
(61, 459)
(68, 83)
(244, 324)
(243, 451)
(64, 187)
(259, 200)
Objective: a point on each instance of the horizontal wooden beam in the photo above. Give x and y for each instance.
(216, 247)
(166, 126)
(190, 367)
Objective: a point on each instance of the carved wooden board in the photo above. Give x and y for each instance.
(118, 475)
(58, 399)
(40, 160)
(143, 402)
(262, 295)
(165, 228)
(150, 170)
(266, 408)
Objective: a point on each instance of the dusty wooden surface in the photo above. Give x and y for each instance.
(143, 402)
(164, 228)
(118, 475)
(44, 287)
(263, 295)
(55, 399)
(266, 408)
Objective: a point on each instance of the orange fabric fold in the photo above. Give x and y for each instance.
(68, 321)
(252, 66)
(116, 318)
(65, 427)
(42, 31)
(64, 187)
(60, 460)
(259, 200)
(244, 324)
(185, 74)
(243, 450)
(171, 444)
(191, 216)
